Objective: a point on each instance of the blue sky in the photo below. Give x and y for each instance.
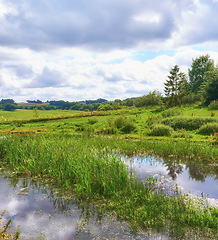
(87, 49)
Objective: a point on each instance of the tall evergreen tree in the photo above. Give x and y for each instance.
(175, 86)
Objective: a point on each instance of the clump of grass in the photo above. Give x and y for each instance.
(187, 123)
(92, 120)
(171, 112)
(160, 130)
(152, 119)
(209, 128)
(182, 134)
(66, 161)
(124, 125)
(108, 130)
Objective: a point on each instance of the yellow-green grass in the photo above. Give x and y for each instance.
(99, 122)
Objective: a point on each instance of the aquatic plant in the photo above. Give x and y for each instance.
(87, 166)
(4, 233)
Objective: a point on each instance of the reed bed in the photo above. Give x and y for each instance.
(87, 166)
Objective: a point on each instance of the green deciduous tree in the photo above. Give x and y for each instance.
(9, 107)
(197, 74)
(211, 89)
(175, 86)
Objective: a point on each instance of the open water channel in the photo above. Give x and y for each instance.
(44, 212)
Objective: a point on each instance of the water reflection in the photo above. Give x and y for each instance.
(190, 176)
(45, 212)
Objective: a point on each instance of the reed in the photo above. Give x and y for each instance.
(88, 167)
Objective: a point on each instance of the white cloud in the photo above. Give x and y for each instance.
(85, 50)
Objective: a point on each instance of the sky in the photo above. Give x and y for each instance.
(77, 50)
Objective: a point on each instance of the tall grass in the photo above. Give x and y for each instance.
(87, 166)
(65, 160)
(187, 123)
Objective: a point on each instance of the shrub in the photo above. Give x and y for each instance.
(124, 125)
(152, 119)
(171, 112)
(191, 98)
(160, 130)
(209, 128)
(9, 107)
(152, 99)
(213, 105)
(187, 123)
(92, 120)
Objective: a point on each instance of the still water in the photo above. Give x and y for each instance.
(44, 212)
(48, 213)
(185, 176)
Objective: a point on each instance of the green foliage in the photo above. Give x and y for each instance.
(209, 128)
(105, 107)
(152, 119)
(213, 105)
(182, 134)
(152, 99)
(9, 107)
(160, 130)
(187, 123)
(92, 120)
(197, 74)
(5, 101)
(191, 98)
(171, 112)
(211, 89)
(124, 125)
(128, 102)
(175, 86)
(108, 130)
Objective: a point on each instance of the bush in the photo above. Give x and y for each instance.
(152, 119)
(9, 107)
(191, 98)
(160, 130)
(92, 120)
(213, 105)
(209, 128)
(152, 99)
(171, 112)
(124, 125)
(187, 123)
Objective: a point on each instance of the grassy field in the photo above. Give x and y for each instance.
(78, 150)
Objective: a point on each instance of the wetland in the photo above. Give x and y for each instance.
(85, 175)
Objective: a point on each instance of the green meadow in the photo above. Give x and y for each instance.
(79, 151)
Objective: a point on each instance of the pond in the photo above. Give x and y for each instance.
(44, 212)
(173, 175)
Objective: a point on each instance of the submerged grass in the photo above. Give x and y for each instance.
(86, 165)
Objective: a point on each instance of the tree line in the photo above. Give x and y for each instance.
(200, 84)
